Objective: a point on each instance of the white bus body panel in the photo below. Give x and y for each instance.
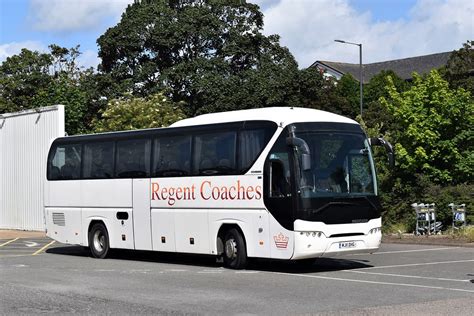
(65, 225)
(282, 240)
(141, 214)
(162, 226)
(89, 193)
(254, 226)
(190, 211)
(90, 200)
(116, 228)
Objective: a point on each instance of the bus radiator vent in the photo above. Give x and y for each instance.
(346, 235)
(58, 219)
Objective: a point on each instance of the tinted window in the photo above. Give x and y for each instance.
(278, 180)
(172, 156)
(251, 144)
(65, 162)
(133, 158)
(98, 160)
(214, 153)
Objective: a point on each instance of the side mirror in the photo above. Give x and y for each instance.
(379, 141)
(304, 148)
(305, 162)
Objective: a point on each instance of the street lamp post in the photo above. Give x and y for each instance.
(361, 89)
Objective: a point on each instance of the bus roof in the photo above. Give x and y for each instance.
(280, 115)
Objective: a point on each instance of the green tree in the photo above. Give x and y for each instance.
(374, 113)
(319, 92)
(211, 54)
(377, 86)
(349, 89)
(435, 134)
(21, 77)
(32, 79)
(458, 70)
(129, 113)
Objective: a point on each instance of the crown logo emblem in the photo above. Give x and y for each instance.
(281, 241)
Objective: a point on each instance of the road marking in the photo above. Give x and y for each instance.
(31, 244)
(403, 251)
(8, 256)
(374, 282)
(10, 241)
(407, 276)
(43, 248)
(416, 264)
(20, 265)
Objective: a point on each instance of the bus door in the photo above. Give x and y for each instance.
(141, 214)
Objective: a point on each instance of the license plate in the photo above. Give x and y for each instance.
(347, 244)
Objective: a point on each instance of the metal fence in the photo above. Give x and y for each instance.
(24, 141)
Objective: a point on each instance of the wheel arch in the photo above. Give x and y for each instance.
(221, 234)
(91, 222)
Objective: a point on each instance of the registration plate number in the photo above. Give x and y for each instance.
(347, 244)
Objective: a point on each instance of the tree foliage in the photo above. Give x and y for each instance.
(435, 135)
(21, 76)
(131, 113)
(211, 54)
(375, 114)
(32, 79)
(460, 67)
(315, 90)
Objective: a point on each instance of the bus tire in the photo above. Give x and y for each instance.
(235, 251)
(99, 241)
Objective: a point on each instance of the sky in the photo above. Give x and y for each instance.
(387, 29)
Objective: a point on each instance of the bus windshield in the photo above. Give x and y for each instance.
(341, 165)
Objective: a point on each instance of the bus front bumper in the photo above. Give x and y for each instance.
(353, 238)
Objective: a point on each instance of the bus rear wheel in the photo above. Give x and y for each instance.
(235, 252)
(99, 241)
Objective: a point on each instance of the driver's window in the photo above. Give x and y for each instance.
(279, 175)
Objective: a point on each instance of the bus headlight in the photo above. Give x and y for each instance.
(313, 234)
(375, 230)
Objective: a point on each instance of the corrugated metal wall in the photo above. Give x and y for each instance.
(24, 142)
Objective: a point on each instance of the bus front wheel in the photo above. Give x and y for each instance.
(235, 252)
(99, 241)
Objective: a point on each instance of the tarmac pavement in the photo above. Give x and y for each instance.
(39, 275)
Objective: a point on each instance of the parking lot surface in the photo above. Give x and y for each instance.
(41, 276)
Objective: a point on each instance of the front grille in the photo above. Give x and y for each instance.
(346, 235)
(59, 219)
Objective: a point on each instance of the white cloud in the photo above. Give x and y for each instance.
(72, 15)
(14, 48)
(308, 28)
(88, 59)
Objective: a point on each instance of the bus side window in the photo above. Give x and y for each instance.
(133, 158)
(65, 162)
(214, 154)
(172, 156)
(251, 144)
(98, 160)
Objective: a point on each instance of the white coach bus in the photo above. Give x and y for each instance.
(283, 183)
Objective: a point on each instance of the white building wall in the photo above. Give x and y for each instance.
(24, 142)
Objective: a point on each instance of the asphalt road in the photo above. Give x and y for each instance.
(37, 276)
